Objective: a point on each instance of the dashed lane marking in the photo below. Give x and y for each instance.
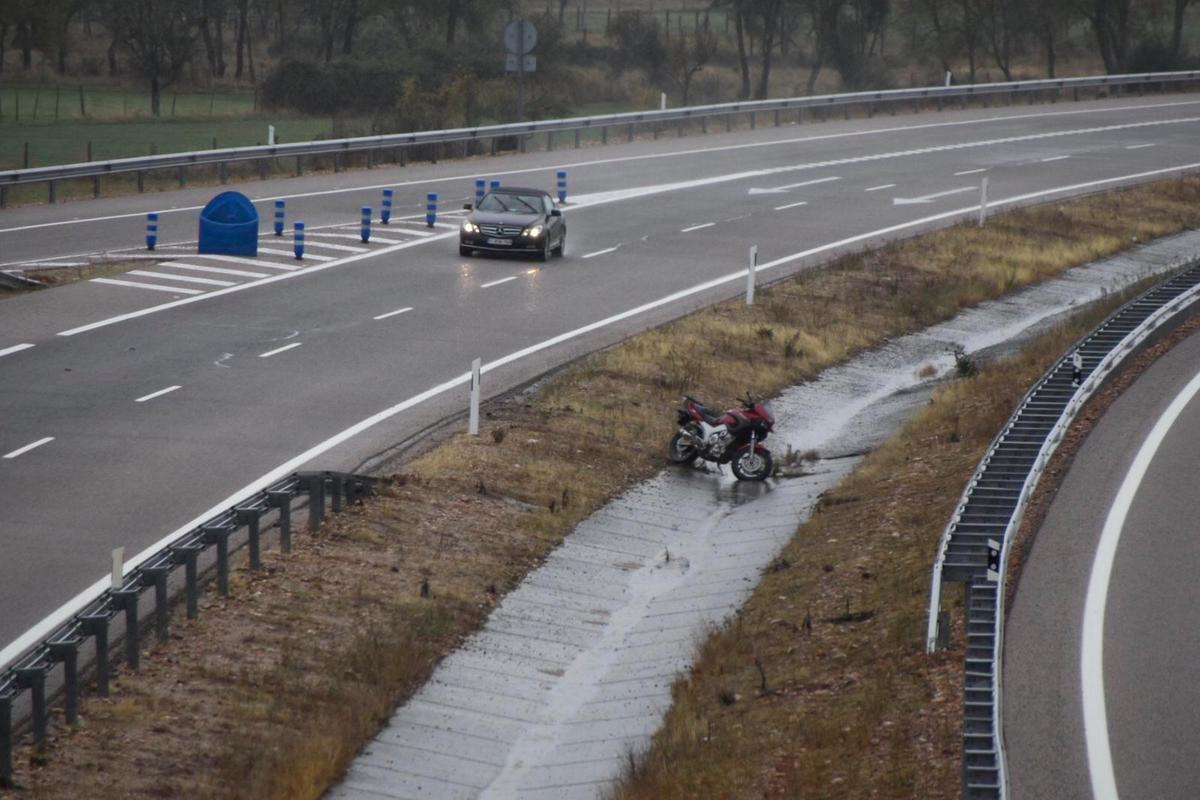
(697, 227)
(279, 350)
(605, 251)
(497, 283)
(159, 393)
(16, 348)
(879, 188)
(22, 450)
(791, 205)
(393, 313)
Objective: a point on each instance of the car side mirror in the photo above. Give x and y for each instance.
(555, 212)
(467, 207)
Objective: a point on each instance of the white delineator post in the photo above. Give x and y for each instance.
(118, 567)
(271, 135)
(983, 201)
(473, 425)
(662, 101)
(750, 275)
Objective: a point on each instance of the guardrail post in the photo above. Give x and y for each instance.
(189, 554)
(562, 186)
(776, 118)
(6, 746)
(431, 209)
(549, 141)
(182, 178)
(728, 123)
(96, 626)
(279, 213)
(162, 603)
(299, 166)
(222, 173)
(283, 502)
(336, 490)
(337, 162)
(577, 138)
(603, 134)
(249, 518)
(219, 535)
(473, 422)
(3, 196)
(385, 211)
(67, 653)
(365, 230)
(128, 600)
(52, 191)
(141, 181)
(316, 501)
(704, 125)
(298, 240)
(34, 679)
(151, 230)
(631, 131)
(494, 145)
(753, 121)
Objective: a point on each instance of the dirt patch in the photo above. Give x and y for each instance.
(270, 694)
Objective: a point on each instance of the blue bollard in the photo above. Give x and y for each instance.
(430, 209)
(562, 186)
(495, 184)
(385, 213)
(299, 244)
(366, 224)
(480, 189)
(151, 230)
(279, 217)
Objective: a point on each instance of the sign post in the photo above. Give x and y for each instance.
(519, 39)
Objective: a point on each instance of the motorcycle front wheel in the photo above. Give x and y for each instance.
(682, 451)
(753, 465)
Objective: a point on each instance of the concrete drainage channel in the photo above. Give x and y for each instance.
(572, 673)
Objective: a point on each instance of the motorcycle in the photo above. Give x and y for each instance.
(734, 437)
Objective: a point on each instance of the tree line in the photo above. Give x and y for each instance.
(358, 53)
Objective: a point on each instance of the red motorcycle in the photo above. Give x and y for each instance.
(734, 437)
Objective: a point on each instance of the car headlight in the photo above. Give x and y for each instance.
(534, 232)
(469, 227)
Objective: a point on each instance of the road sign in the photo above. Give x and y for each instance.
(512, 63)
(520, 36)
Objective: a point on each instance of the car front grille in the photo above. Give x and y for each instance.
(492, 229)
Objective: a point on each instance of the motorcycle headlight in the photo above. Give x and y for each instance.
(469, 227)
(534, 232)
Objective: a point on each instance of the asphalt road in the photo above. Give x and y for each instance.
(153, 406)
(1147, 688)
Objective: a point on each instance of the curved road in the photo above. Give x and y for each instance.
(1143, 647)
(130, 411)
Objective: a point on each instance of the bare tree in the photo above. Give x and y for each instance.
(1180, 8)
(158, 36)
(687, 55)
(1112, 22)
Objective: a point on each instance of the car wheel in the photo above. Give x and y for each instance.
(561, 250)
(544, 253)
(463, 250)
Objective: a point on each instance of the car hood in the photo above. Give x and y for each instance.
(502, 218)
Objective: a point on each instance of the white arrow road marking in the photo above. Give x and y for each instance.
(784, 189)
(929, 198)
(28, 447)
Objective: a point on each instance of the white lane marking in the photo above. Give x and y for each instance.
(291, 254)
(787, 187)
(243, 287)
(1139, 146)
(1091, 663)
(497, 283)
(185, 278)
(1054, 158)
(929, 198)
(352, 236)
(791, 205)
(238, 273)
(622, 159)
(16, 348)
(159, 393)
(415, 231)
(64, 612)
(22, 450)
(970, 172)
(139, 285)
(881, 187)
(344, 248)
(697, 227)
(249, 262)
(279, 350)
(603, 252)
(39, 264)
(393, 313)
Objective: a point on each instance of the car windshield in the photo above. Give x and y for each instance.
(511, 203)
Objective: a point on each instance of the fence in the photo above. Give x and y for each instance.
(974, 548)
(28, 674)
(628, 122)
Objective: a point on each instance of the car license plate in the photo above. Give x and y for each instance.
(499, 241)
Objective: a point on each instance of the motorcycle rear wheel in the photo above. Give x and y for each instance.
(751, 465)
(682, 451)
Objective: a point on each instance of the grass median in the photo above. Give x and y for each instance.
(271, 692)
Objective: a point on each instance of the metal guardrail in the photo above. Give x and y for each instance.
(28, 674)
(974, 548)
(629, 120)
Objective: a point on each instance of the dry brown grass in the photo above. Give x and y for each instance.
(853, 707)
(271, 693)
